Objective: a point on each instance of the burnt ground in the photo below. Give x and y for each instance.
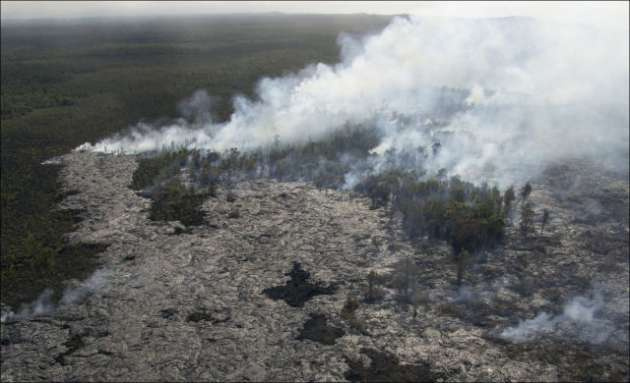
(225, 300)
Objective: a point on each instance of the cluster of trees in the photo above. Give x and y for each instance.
(152, 170)
(325, 163)
(178, 181)
(159, 178)
(468, 217)
(526, 224)
(175, 202)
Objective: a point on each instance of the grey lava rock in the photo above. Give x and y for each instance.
(227, 302)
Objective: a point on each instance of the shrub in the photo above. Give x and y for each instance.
(349, 307)
(348, 313)
(526, 191)
(373, 292)
(460, 260)
(174, 202)
(234, 213)
(508, 199)
(152, 170)
(544, 220)
(405, 279)
(527, 219)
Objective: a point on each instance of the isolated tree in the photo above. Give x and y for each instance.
(508, 198)
(348, 313)
(349, 307)
(436, 148)
(527, 219)
(442, 174)
(545, 219)
(461, 260)
(405, 279)
(207, 179)
(373, 292)
(195, 160)
(419, 297)
(526, 191)
(377, 189)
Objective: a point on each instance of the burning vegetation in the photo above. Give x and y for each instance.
(440, 238)
(470, 218)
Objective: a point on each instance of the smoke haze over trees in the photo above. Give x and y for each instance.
(480, 176)
(501, 98)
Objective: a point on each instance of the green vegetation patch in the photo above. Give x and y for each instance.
(158, 177)
(467, 216)
(153, 169)
(39, 267)
(175, 202)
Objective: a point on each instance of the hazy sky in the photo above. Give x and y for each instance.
(602, 13)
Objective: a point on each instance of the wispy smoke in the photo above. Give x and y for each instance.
(40, 306)
(44, 305)
(78, 294)
(581, 319)
(501, 96)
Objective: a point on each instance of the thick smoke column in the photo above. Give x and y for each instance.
(502, 96)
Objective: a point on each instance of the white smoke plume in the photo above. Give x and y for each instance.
(502, 96)
(96, 281)
(44, 305)
(581, 319)
(40, 306)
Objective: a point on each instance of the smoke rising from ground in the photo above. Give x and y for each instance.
(503, 97)
(44, 304)
(582, 319)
